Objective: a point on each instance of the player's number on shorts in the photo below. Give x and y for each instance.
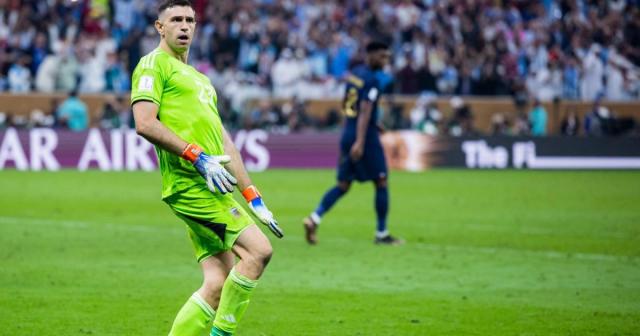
(349, 103)
(206, 93)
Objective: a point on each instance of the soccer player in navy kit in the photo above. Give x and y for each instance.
(361, 155)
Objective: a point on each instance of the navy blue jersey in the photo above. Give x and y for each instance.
(362, 85)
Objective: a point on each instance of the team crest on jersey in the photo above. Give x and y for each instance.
(145, 84)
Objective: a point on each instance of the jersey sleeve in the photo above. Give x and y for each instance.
(148, 80)
(369, 91)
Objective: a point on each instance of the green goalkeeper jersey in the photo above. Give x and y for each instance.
(187, 106)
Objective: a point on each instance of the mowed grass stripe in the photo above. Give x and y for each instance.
(489, 253)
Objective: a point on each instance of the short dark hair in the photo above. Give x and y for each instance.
(172, 3)
(375, 46)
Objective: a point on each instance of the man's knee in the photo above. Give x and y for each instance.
(381, 182)
(265, 255)
(344, 186)
(212, 287)
(260, 255)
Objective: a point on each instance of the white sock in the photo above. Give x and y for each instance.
(315, 218)
(382, 234)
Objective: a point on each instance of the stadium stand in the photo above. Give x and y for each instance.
(298, 51)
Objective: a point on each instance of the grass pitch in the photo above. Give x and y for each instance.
(488, 253)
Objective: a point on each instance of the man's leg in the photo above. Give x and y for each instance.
(330, 198)
(196, 316)
(382, 208)
(254, 250)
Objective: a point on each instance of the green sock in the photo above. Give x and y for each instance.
(234, 300)
(194, 318)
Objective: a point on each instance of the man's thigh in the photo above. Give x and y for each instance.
(374, 163)
(251, 241)
(213, 224)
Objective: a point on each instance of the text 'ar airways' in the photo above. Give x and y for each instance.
(115, 150)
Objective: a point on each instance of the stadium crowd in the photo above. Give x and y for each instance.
(295, 50)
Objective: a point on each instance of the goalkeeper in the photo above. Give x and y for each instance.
(175, 108)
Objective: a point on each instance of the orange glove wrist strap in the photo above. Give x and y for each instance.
(250, 193)
(191, 152)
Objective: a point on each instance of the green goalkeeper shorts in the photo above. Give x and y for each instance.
(214, 222)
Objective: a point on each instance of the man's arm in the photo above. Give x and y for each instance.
(210, 167)
(364, 116)
(145, 114)
(249, 191)
(236, 166)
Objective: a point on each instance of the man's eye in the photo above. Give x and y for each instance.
(190, 20)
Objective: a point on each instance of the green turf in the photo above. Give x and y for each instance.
(488, 253)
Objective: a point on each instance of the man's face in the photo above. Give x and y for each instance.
(380, 58)
(176, 25)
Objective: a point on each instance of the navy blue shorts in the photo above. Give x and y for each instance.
(370, 167)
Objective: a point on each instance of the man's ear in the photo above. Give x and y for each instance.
(159, 27)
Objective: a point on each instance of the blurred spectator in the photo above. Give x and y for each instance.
(500, 125)
(602, 121)
(287, 74)
(340, 53)
(92, 72)
(593, 120)
(426, 117)
(396, 118)
(18, 121)
(110, 114)
(461, 123)
(116, 77)
(265, 116)
(570, 79)
(465, 82)
(616, 88)
(419, 111)
(593, 68)
(125, 113)
(68, 70)
(408, 81)
(20, 76)
(73, 114)
(53, 111)
(546, 83)
(294, 111)
(538, 119)
(521, 125)
(38, 51)
(47, 74)
(489, 83)
(38, 118)
(570, 125)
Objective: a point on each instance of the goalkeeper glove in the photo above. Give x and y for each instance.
(260, 210)
(211, 169)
